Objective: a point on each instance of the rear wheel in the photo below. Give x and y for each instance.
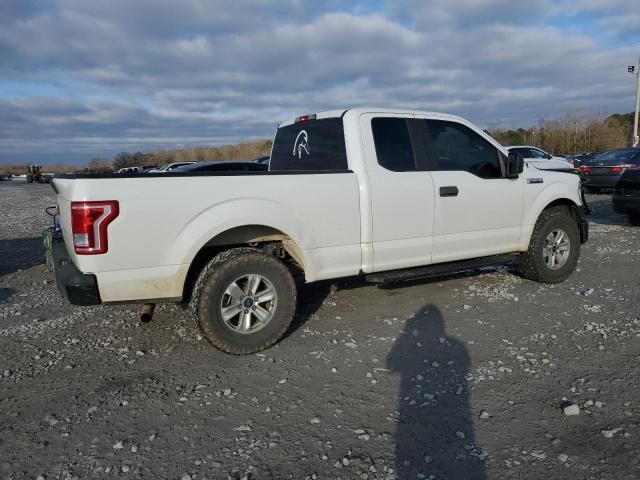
(244, 300)
(554, 247)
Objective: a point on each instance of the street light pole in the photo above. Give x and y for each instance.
(635, 122)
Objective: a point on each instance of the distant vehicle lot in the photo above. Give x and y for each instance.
(471, 371)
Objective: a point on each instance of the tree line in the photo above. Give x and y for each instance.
(574, 132)
(241, 151)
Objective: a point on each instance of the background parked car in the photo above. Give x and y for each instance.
(223, 166)
(129, 170)
(169, 167)
(539, 157)
(605, 169)
(579, 158)
(147, 168)
(626, 195)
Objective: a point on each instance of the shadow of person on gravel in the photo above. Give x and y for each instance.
(434, 434)
(20, 253)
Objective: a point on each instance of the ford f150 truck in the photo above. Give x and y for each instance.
(387, 194)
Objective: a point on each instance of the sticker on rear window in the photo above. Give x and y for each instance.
(301, 144)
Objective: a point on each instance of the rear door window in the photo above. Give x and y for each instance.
(393, 144)
(313, 145)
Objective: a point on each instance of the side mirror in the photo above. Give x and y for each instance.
(549, 156)
(515, 165)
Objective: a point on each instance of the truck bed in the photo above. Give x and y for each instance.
(166, 219)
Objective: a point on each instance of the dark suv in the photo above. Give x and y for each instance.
(626, 196)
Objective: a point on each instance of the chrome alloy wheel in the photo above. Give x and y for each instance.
(556, 248)
(248, 303)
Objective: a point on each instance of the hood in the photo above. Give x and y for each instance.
(552, 164)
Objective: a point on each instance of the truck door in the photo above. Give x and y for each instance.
(478, 211)
(401, 191)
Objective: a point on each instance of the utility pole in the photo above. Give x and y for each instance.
(635, 141)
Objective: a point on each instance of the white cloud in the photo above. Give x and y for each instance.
(149, 73)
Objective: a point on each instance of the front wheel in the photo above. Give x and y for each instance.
(554, 247)
(244, 300)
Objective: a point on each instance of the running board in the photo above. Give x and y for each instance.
(439, 269)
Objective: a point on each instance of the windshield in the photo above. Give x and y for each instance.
(618, 157)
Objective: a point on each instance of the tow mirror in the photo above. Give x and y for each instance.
(515, 165)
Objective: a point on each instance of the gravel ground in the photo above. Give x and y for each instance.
(478, 376)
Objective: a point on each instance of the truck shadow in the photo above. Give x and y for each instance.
(6, 294)
(312, 296)
(20, 253)
(434, 434)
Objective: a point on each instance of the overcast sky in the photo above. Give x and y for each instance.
(81, 79)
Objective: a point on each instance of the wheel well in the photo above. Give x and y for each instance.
(576, 214)
(563, 202)
(269, 239)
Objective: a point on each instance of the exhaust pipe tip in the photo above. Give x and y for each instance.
(146, 314)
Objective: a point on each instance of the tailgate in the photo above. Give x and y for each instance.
(64, 189)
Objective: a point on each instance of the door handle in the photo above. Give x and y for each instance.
(449, 191)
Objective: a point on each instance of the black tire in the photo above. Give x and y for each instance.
(532, 264)
(209, 293)
(634, 218)
(592, 189)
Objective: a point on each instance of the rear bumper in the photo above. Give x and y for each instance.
(77, 287)
(625, 204)
(603, 181)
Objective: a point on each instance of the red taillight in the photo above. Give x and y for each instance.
(89, 221)
(584, 169)
(620, 168)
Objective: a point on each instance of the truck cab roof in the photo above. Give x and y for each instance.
(363, 110)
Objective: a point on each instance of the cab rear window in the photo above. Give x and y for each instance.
(314, 145)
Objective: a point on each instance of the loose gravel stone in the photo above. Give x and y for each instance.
(571, 410)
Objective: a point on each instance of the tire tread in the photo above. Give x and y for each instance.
(216, 268)
(529, 263)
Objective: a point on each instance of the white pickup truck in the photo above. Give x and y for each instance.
(388, 194)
